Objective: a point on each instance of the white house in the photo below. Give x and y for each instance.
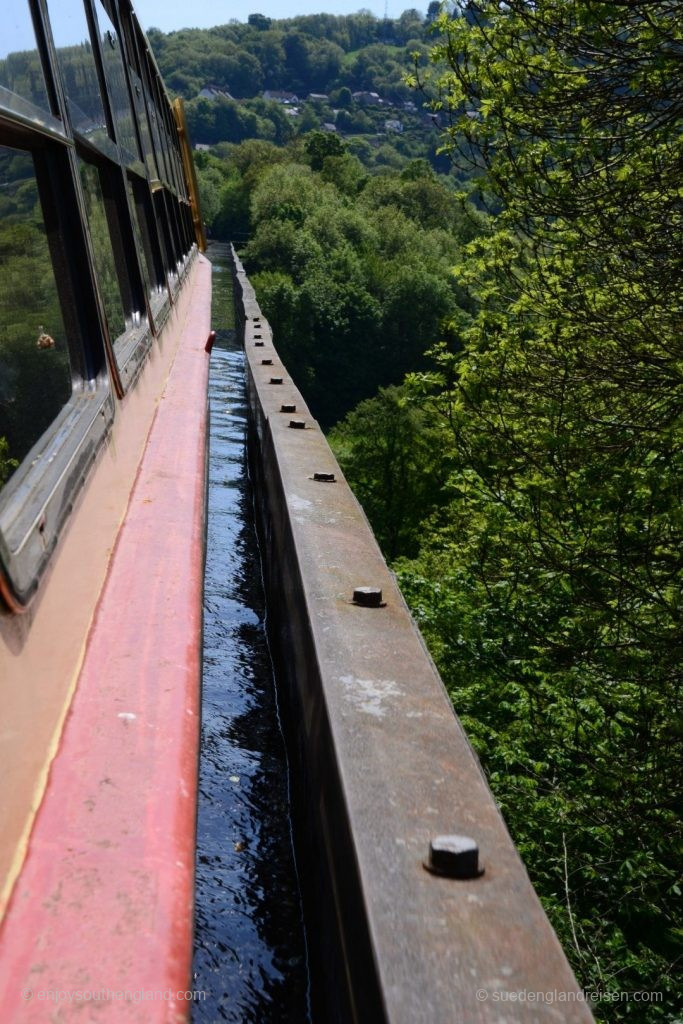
(280, 97)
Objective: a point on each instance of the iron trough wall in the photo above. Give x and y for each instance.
(381, 763)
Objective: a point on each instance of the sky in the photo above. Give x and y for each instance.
(170, 15)
(68, 19)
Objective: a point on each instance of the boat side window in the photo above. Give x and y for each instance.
(163, 135)
(22, 82)
(105, 260)
(148, 78)
(118, 90)
(172, 213)
(143, 124)
(187, 223)
(78, 69)
(132, 61)
(56, 404)
(164, 219)
(35, 373)
(90, 247)
(120, 272)
(93, 78)
(150, 260)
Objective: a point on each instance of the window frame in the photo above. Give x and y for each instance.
(127, 351)
(37, 499)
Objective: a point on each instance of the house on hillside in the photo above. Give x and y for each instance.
(431, 120)
(212, 92)
(279, 96)
(318, 97)
(393, 126)
(367, 99)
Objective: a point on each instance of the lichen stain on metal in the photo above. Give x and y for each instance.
(370, 695)
(298, 504)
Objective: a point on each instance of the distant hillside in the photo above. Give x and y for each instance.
(274, 80)
(315, 53)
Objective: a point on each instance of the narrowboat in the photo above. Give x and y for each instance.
(104, 316)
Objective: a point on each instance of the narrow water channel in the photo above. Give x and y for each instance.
(250, 950)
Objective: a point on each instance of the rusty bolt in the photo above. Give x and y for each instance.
(297, 424)
(454, 857)
(369, 597)
(324, 478)
(287, 407)
(266, 362)
(276, 380)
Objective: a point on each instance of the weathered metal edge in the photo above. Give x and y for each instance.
(386, 765)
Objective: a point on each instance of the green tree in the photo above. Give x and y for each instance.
(345, 172)
(549, 588)
(342, 97)
(393, 456)
(367, 286)
(210, 182)
(308, 120)
(433, 10)
(6, 463)
(574, 110)
(259, 21)
(320, 145)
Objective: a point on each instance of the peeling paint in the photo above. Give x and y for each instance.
(370, 695)
(298, 504)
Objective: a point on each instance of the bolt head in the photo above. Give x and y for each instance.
(266, 362)
(369, 597)
(297, 424)
(287, 407)
(259, 344)
(454, 856)
(276, 380)
(324, 478)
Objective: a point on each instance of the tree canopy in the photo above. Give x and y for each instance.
(313, 53)
(548, 577)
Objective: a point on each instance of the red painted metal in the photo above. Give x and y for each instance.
(210, 342)
(103, 905)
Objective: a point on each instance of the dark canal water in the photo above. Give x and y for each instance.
(250, 949)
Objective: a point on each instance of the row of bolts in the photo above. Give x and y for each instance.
(451, 856)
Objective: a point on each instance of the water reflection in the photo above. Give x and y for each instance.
(116, 79)
(143, 123)
(35, 377)
(77, 66)
(250, 954)
(105, 260)
(21, 74)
